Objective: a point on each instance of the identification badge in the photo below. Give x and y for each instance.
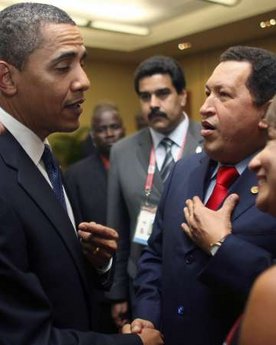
(144, 224)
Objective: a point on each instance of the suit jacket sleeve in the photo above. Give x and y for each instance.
(26, 311)
(118, 218)
(148, 282)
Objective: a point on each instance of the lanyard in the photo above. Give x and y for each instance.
(152, 167)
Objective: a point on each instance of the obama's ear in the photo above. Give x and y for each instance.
(7, 84)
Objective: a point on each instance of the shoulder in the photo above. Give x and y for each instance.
(191, 160)
(83, 165)
(265, 286)
(132, 140)
(258, 326)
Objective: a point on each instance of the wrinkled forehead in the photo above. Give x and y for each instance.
(62, 34)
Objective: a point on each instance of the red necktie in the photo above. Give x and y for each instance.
(225, 177)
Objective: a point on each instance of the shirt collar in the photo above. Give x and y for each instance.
(177, 135)
(29, 141)
(241, 166)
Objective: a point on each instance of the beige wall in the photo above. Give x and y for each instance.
(114, 82)
(111, 82)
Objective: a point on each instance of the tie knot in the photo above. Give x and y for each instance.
(47, 155)
(226, 176)
(167, 143)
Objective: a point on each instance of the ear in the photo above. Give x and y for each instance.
(7, 85)
(263, 110)
(183, 95)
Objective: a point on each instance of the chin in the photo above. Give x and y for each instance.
(262, 204)
(70, 128)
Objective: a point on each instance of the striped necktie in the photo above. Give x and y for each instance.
(54, 174)
(168, 161)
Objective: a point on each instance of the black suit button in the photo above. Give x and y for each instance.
(180, 310)
(189, 259)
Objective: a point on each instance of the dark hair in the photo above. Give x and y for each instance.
(160, 65)
(20, 32)
(261, 82)
(271, 113)
(102, 107)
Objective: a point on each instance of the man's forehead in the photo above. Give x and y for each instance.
(61, 34)
(228, 73)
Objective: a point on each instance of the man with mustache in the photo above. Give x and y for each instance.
(195, 274)
(140, 166)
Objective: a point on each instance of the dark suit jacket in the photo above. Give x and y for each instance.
(192, 296)
(127, 177)
(87, 147)
(45, 283)
(86, 184)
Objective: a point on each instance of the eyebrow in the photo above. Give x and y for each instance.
(68, 55)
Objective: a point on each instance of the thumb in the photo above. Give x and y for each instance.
(230, 203)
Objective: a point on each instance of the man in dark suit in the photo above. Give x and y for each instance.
(192, 284)
(136, 176)
(86, 183)
(47, 275)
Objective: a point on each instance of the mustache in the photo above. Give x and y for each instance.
(156, 113)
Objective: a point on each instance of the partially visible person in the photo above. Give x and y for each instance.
(107, 135)
(87, 179)
(193, 284)
(141, 163)
(86, 183)
(259, 319)
(49, 262)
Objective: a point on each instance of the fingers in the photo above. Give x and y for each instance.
(97, 238)
(98, 230)
(126, 329)
(230, 203)
(186, 229)
(99, 243)
(138, 324)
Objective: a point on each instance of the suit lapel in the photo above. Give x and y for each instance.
(193, 139)
(34, 184)
(243, 188)
(143, 148)
(143, 155)
(199, 174)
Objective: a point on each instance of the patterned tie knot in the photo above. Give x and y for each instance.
(226, 176)
(53, 174)
(47, 158)
(168, 160)
(167, 143)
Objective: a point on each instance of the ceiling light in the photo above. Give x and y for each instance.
(225, 2)
(268, 23)
(122, 28)
(184, 45)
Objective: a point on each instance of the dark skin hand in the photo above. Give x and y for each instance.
(146, 331)
(99, 243)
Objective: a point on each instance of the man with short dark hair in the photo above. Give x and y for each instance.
(49, 263)
(196, 272)
(140, 165)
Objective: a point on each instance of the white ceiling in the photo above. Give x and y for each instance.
(167, 20)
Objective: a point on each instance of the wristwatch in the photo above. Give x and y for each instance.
(214, 247)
